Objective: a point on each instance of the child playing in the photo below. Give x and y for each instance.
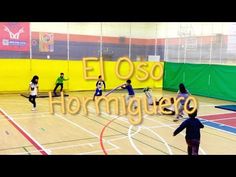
(99, 85)
(193, 126)
(59, 82)
(148, 94)
(130, 90)
(170, 109)
(33, 87)
(183, 92)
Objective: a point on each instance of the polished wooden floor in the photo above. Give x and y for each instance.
(23, 131)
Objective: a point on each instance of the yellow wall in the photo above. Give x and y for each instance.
(48, 71)
(15, 74)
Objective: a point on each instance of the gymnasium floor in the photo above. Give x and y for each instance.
(25, 132)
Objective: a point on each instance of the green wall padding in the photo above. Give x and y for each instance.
(216, 81)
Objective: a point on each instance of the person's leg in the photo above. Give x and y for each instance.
(189, 150)
(54, 91)
(150, 100)
(30, 99)
(61, 87)
(94, 95)
(34, 101)
(195, 147)
(135, 104)
(189, 143)
(97, 93)
(127, 99)
(181, 109)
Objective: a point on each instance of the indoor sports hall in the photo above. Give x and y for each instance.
(50, 87)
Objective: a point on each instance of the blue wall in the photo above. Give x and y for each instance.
(78, 50)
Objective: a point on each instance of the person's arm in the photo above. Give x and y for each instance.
(104, 85)
(180, 128)
(96, 83)
(37, 90)
(201, 125)
(146, 93)
(123, 86)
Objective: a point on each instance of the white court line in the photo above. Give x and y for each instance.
(110, 115)
(207, 105)
(82, 128)
(124, 137)
(92, 152)
(28, 116)
(32, 113)
(63, 147)
(25, 118)
(129, 131)
(25, 132)
(20, 153)
(75, 145)
(222, 124)
(162, 139)
(113, 116)
(38, 104)
(72, 146)
(86, 130)
(69, 146)
(146, 117)
(221, 130)
(82, 153)
(131, 140)
(159, 126)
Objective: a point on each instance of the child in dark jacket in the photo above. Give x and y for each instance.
(193, 126)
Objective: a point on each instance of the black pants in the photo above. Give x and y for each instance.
(54, 91)
(32, 100)
(193, 146)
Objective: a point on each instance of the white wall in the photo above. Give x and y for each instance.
(86, 28)
(144, 30)
(116, 29)
(48, 27)
(149, 30)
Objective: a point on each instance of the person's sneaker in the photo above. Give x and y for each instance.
(33, 109)
(176, 119)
